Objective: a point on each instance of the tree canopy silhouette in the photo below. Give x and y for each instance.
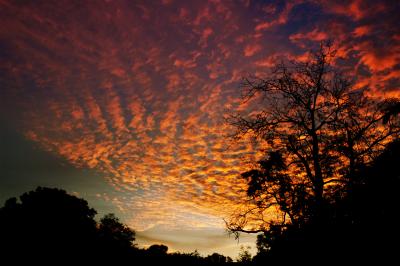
(114, 234)
(48, 225)
(317, 130)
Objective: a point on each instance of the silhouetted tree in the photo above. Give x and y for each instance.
(317, 130)
(47, 224)
(244, 256)
(362, 224)
(115, 239)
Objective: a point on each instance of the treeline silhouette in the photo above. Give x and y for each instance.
(49, 226)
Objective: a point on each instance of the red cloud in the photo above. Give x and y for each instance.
(314, 35)
(355, 9)
(251, 49)
(362, 30)
(378, 59)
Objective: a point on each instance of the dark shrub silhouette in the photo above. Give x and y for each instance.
(158, 250)
(216, 258)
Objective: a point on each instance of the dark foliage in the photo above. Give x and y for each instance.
(359, 226)
(50, 227)
(217, 259)
(47, 226)
(115, 240)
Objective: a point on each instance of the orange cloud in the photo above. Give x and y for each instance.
(378, 59)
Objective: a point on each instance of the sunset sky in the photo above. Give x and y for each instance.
(123, 102)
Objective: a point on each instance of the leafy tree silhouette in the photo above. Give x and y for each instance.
(244, 256)
(323, 175)
(47, 224)
(317, 130)
(115, 240)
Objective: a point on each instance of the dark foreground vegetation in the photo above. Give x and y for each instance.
(49, 226)
(361, 226)
(331, 174)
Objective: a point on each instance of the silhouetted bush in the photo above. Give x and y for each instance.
(217, 259)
